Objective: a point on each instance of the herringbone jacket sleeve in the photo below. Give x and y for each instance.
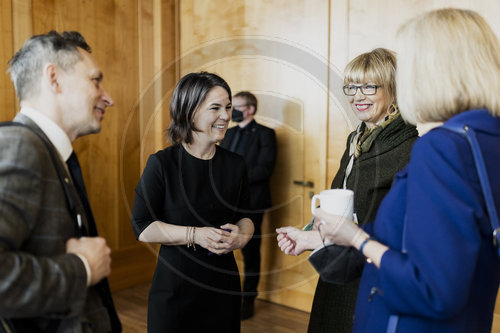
(37, 277)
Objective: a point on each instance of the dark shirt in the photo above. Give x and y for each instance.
(239, 143)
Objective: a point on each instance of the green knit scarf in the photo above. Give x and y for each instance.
(364, 138)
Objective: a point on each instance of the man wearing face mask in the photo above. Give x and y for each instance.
(257, 144)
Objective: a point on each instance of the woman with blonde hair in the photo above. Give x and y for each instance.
(434, 263)
(375, 151)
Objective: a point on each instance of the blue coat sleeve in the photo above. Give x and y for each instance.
(442, 240)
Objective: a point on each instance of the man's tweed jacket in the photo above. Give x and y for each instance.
(39, 281)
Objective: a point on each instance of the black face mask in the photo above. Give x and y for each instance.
(237, 116)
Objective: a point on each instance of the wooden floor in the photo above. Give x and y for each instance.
(131, 305)
(496, 324)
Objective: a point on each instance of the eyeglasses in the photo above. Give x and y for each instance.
(366, 89)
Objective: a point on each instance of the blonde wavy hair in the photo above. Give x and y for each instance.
(377, 66)
(448, 63)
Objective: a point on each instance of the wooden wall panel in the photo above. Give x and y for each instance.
(158, 61)
(110, 160)
(16, 27)
(22, 21)
(7, 96)
(98, 153)
(158, 76)
(361, 27)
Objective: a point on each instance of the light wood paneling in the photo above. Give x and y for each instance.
(16, 25)
(99, 153)
(22, 15)
(7, 96)
(370, 26)
(341, 121)
(115, 29)
(158, 72)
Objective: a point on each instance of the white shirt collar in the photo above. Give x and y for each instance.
(56, 135)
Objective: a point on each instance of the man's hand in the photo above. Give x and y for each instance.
(97, 253)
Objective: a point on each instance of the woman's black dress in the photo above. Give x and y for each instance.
(192, 290)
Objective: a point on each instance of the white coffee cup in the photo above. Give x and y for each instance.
(336, 201)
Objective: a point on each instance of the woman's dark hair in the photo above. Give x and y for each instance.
(188, 95)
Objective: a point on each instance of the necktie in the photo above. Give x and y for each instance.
(236, 139)
(76, 175)
(103, 286)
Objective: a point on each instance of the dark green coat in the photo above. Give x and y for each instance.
(371, 178)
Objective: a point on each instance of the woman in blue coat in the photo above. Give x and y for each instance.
(434, 267)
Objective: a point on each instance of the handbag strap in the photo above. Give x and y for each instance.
(6, 326)
(470, 135)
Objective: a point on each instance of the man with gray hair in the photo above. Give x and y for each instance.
(54, 265)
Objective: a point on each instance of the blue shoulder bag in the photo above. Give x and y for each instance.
(470, 135)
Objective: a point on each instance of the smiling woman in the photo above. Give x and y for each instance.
(369, 85)
(193, 193)
(374, 153)
(211, 120)
(434, 263)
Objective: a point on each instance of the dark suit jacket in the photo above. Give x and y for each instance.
(39, 281)
(260, 156)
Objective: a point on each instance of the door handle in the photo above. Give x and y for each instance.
(303, 183)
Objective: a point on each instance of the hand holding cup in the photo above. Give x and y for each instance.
(336, 213)
(336, 228)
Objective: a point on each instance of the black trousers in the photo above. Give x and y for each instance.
(251, 258)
